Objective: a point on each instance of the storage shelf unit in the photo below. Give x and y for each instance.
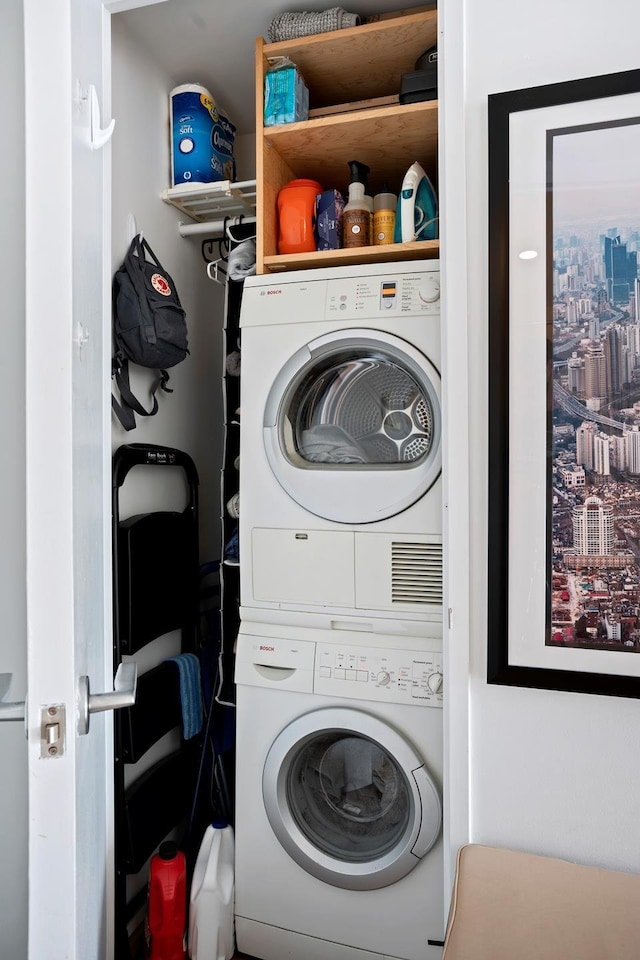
(204, 202)
(356, 64)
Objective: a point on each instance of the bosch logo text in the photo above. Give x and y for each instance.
(268, 649)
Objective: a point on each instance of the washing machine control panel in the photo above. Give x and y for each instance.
(368, 297)
(397, 676)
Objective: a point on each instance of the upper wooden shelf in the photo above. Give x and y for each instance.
(387, 139)
(359, 62)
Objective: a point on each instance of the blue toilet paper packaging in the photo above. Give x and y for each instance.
(202, 138)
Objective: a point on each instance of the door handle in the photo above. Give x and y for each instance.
(10, 711)
(99, 135)
(122, 695)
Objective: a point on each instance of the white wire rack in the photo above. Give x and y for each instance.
(210, 204)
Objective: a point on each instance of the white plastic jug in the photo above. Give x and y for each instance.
(211, 926)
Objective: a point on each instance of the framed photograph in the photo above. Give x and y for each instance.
(564, 386)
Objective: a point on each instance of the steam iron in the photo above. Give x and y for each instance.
(417, 213)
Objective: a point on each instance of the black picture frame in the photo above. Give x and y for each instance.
(545, 107)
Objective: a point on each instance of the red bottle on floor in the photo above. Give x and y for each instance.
(166, 921)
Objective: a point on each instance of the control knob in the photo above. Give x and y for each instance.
(383, 678)
(435, 682)
(429, 290)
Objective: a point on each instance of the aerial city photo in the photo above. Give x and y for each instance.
(595, 391)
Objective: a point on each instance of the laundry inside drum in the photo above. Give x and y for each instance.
(348, 796)
(360, 407)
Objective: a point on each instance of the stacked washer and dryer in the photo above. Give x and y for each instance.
(339, 659)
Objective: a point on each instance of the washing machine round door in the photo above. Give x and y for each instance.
(352, 426)
(349, 799)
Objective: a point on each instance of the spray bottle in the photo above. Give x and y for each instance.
(356, 218)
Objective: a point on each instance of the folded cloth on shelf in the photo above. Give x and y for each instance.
(328, 443)
(288, 26)
(190, 693)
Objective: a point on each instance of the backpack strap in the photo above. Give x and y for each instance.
(129, 404)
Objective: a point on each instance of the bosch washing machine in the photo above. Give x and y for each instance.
(340, 453)
(338, 795)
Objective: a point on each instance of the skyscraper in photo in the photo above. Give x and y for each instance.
(575, 375)
(633, 451)
(585, 435)
(595, 371)
(621, 268)
(593, 531)
(601, 455)
(613, 355)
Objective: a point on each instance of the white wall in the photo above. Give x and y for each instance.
(554, 773)
(191, 417)
(13, 653)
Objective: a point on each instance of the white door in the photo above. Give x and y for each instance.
(68, 422)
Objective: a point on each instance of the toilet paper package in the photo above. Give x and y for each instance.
(202, 137)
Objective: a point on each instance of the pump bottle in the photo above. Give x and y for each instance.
(356, 218)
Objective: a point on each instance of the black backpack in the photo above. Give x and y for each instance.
(149, 327)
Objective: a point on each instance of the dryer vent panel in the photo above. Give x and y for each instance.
(416, 573)
(400, 573)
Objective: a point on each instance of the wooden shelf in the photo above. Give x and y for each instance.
(359, 62)
(392, 252)
(383, 138)
(340, 69)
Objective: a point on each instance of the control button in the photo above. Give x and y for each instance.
(383, 678)
(325, 671)
(339, 673)
(363, 675)
(429, 290)
(343, 306)
(435, 682)
(351, 675)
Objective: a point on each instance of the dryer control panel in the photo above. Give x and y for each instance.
(353, 298)
(394, 676)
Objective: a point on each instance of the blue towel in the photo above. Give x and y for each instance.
(190, 693)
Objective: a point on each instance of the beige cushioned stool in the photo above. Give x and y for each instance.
(518, 906)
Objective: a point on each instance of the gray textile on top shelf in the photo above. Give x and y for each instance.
(327, 443)
(288, 26)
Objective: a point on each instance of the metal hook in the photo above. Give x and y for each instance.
(215, 272)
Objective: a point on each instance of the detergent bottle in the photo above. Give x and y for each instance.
(166, 920)
(211, 902)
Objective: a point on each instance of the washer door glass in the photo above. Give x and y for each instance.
(352, 809)
(350, 404)
(348, 796)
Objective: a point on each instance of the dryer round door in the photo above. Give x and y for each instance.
(349, 799)
(352, 426)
